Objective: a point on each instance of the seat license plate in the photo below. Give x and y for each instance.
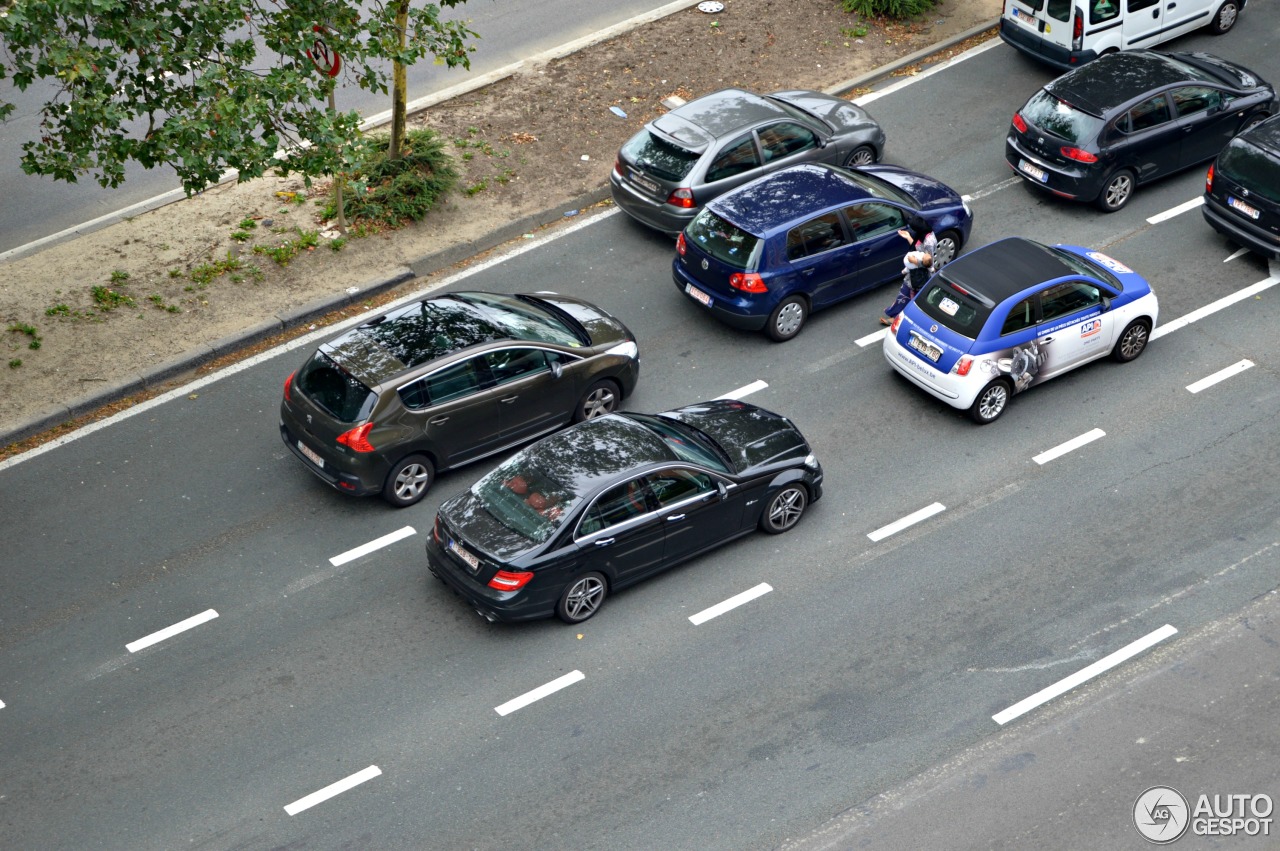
(1248, 209)
(930, 351)
(471, 560)
(1028, 169)
(311, 454)
(698, 294)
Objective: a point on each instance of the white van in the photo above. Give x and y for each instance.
(1068, 33)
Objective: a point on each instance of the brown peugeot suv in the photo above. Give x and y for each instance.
(441, 382)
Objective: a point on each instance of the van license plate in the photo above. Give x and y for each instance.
(1027, 168)
(698, 294)
(1247, 209)
(311, 454)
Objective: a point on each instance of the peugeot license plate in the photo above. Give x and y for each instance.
(471, 560)
(698, 294)
(1247, 209)
(311, 454)
(1028, 169)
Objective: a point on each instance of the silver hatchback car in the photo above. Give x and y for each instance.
(681, 160)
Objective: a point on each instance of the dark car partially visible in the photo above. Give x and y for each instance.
(1096, 133)
(441, 382)
(1242, 190)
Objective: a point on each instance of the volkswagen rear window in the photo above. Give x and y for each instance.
(1060, 118)
(1250, 166)
(953, 308)
(334, 389)
(723, 240)
(659, 158)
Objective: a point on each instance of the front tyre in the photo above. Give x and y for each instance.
(1133, 341)
(582, 598)
(948, 248)
(1225, 18)
(991, 402)
(1116, 192)
(787, 319)
(408, 481)
(860, 156)
(784, 509)
(601, 398)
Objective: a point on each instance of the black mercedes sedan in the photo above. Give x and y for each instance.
(611, 501)
(1096, 133)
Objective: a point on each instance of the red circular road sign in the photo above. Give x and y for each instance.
(328, 61)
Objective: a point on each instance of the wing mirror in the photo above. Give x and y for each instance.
(1106, 303)
(556, 369)
(722, 490)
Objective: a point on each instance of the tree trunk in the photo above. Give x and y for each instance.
(399, 87)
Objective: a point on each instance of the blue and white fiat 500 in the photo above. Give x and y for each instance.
(1014, 313)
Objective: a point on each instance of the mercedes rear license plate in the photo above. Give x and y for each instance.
(930, 351)
(698, 294)
(311, 454)
(471, 560)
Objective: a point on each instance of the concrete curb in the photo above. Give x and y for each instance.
(421, 267)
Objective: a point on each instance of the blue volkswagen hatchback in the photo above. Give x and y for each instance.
(771, 252)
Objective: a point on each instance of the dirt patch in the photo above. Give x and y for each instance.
(93, 316)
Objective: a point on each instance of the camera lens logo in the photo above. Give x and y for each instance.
(1161, 814)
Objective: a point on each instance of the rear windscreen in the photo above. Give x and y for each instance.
(333, 389)
(724, 241)
(944, 303)
(1060, 118)
(658, 158)
(1249, 166)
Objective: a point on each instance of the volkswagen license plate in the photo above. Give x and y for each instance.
(930, 351)
(311, 454)
(1027, 168)
(1247, 209)
(472, 562)
(698, 294)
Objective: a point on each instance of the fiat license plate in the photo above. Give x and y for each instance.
(311, 454)
(930, 351)
(698, 294)
(1027, 168)
(471, 560)
(1247, 209)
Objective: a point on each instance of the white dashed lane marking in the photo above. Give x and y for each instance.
(540, 692)
(1220, 375)
(170, 632)
(730, 604)
(1072, 444)
(372, 546)
(910, 520)
(332, 789)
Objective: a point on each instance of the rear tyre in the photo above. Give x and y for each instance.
(861, 155)
(784, 509)
(948, 248)
(787, 319)
(582, 598)
(1116, 192)
(601, 398)
(1133, 341)
(1225, 18)
(991, 402)
(409, 481)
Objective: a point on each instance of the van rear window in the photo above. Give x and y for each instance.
(724, 241)
(1250, 166)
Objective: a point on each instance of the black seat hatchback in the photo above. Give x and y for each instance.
(1242, 190)
(1096, 133)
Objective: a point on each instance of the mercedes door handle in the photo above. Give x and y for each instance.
(604, 542)
(674, 517)
(438, 420)
(508, 400)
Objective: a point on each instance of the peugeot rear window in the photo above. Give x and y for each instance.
(659, 158)
(724, 241)
(1250, 166)
(1060, 118)
(334, 389)
(949, 306)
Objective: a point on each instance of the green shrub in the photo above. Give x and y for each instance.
(888, 8)
(392, 193)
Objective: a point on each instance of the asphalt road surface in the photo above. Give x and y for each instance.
(511, 30)
(871, 661)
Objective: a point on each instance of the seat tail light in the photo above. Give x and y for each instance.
(682, 198)
(510, 580)
(357, 438)
(748, 282)
(1019, 122)
(1079, 155)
